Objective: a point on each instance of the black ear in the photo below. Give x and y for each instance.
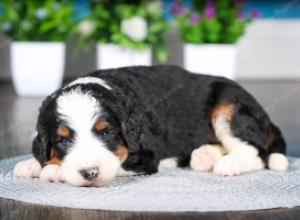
(132, 130)
(41, 145)
(41, 149)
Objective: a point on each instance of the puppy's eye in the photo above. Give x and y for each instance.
(103, 132)
(63, 143)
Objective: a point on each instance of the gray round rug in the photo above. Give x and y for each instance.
(176, 190)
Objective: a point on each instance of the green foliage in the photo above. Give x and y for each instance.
(104, 25)
(31, 20)
(219, 21)
(189, 32)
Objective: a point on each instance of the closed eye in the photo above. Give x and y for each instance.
(107, 132)
(63, 143)
(103, 132)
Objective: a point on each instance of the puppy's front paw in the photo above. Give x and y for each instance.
(228, 166)
(51, 173)
(204, 158)
(28, 168)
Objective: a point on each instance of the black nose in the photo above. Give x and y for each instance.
(90, 173)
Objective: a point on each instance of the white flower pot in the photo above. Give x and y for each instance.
(114, 56)
(37, 67)
(212, 59)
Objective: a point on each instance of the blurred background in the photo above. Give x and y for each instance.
(46, 43)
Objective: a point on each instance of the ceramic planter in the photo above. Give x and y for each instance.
(37, 67)
(113, 56)
(212, 59)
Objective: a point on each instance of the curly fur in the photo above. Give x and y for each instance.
(167, 112)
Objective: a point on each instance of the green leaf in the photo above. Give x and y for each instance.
(161, 54)
(47, 28)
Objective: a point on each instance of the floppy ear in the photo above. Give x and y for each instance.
(41, 146)
(132, 130)
(41, 149)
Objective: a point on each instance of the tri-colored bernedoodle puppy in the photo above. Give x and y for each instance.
(143, 120)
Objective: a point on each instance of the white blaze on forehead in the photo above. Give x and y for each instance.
(90, 79)
(78, 109)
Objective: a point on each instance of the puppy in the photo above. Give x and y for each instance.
(141, 120)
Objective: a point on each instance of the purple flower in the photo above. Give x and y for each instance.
(254, 13)
(240, 14)
(210, 10)
(177, 8)
(195, 18)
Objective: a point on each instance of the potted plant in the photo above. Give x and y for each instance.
(126, 32)
(37, 29)
(210, 30)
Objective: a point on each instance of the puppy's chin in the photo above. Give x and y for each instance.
(84, 183)
(74, 179)
(70, 174)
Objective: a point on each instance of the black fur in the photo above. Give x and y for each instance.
(46, 127)
(165, 111)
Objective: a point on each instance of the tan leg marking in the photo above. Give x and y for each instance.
(241, 157)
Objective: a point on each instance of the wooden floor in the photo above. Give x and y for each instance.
(17, 122)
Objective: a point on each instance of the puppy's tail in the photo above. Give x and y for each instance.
(277, 159)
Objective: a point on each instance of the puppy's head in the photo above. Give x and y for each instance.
(81, 134)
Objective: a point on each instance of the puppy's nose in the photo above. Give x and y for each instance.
(90, 173)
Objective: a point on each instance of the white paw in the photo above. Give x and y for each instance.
(167, 164)
(51, 173)
(278, 162)
(204, 158)
(228, 166)
(28, 168)
(237, 163)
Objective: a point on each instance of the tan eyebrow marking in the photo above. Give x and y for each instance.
(63, 131)
(100, 124)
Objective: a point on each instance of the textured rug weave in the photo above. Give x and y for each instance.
(176, 190)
